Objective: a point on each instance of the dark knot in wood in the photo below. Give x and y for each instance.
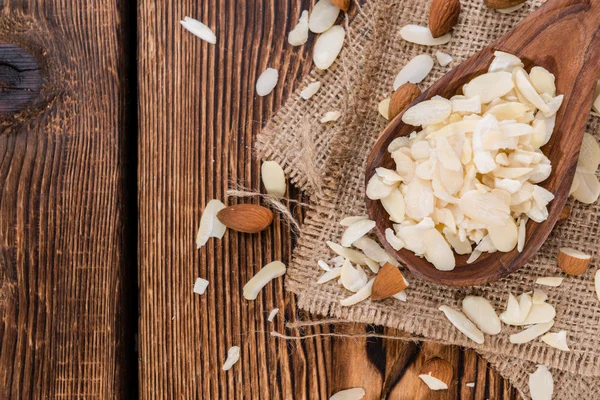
(20, 78)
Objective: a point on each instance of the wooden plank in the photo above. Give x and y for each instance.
(65, 327)
(198, 117)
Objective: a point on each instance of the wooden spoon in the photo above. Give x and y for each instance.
(563, 36)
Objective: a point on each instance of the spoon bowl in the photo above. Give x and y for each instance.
(562, 36)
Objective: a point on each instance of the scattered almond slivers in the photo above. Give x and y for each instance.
(552, 281)
(541, 384)
(267, 81)
(299, 35)
(531, 333)
(328, 46)
(481, 312)
(199, 29)
(267, 273)
(586, 187)
(273, 178)
(468, 181)
(331, 116)
(414, 71)
(210, 226)
(272, 314)
(422, 35)
(310, 90)
(200, 286)
(233, 355)
(463, 324)
(349, 394)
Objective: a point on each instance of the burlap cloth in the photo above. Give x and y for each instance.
(327, 161)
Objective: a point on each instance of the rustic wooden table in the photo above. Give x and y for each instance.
(121, 83)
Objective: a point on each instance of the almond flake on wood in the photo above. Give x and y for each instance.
(267, 273)
(299, 35)
(233, 355)
(199, 29)
(349, 394)
(267, 81)
(200, 286)
(210, 226)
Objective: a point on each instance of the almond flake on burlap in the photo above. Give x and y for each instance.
(334, 176)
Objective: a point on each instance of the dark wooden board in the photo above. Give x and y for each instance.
(66, 315)
(198, 117)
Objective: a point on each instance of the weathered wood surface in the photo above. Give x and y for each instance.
(66, 315)
(198, 116)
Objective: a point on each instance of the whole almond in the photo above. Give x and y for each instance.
(502, 4)
(388, 282)
(343, 5)
(402, 98)
(443, 15)
(247, 218)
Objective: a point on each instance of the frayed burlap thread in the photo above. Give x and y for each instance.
(363, 75)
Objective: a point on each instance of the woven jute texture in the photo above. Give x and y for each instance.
(328, 162)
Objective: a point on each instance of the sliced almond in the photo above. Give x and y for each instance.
(373, 265)
(419, 199)
(589, 155)
(463, 324)
(557, 340)
(330, 275)
(388, 282)
(538, 314)
(384, 108)
(347, 221)
(377, 189)
(484, 207)
(437, 373)
(349, 394)
(422, 35)
(490, 86)
(352, 278)
(267, 81)
(233, 356)
(328, 46)
(552, 281)
(323, 265)
(405, 166)
(272, 314)
(310, 90)
(273, 178)
(267, 273)
(543, 81)
(199, 29)
(438, 251)
(539, 296)
(393, 240)
(522, 234)
(587, 190)
(541, 384)
(504, 237)
(414, 71)
(200, 286)
(427, 113)
(210, 226)
(512, 9)
(331, 116)
(362, 294)
(573, 262)
(354, 256)
(504, 62)
(467, 105)
(299, 35)
(531, 333)
(372, 249)
(356, 231)
(526, 88)
(394, 205)
(481, 312)
(443, 59)
(323, 16)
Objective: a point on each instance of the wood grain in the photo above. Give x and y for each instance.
(66, 326)
(198, 117)
(20, 79)
(575, 62)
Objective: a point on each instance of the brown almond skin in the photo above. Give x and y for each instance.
(343, 5)
(402, 98)
(501, 4)
(438, 368)
(388, 282)
(443, 15)
(572, 266)
(247, 218)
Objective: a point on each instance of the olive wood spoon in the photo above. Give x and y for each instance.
(562, 36)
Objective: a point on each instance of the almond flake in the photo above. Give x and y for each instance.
(490, 86)
(589, 155)
(352, 278)
(557, 340)
(541, 384)
(553, 281)
(526, 88)
(463, 324)
(438, 251)
(588, 188)
(504, 62)
(210, 226)
(233, 355)
(400, 296)
(539, 296)
(443, 59)
(393, 240)
(323, 265)
(433, 383)
(422, 35)
(267, 81)
(310, 90)
(362, 294)
(331, 116)
(328, 46)
(349, 394)
(373, 265)
(467, 106)
(377, 189)
(330, 275)
(299, 35)
(522, 234)
(354, 256)
(372, 249)
(481, 312)
(414, 71)
(267, 273)
(356, 231)
(350, 220)
(200, 286)
(510, 10)
(470, 384)
(529, 334)
(538, 314)
(543, 81)
(273, 178)
(272, 314)
(199, 29)
(384, 108)
(323, 16)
